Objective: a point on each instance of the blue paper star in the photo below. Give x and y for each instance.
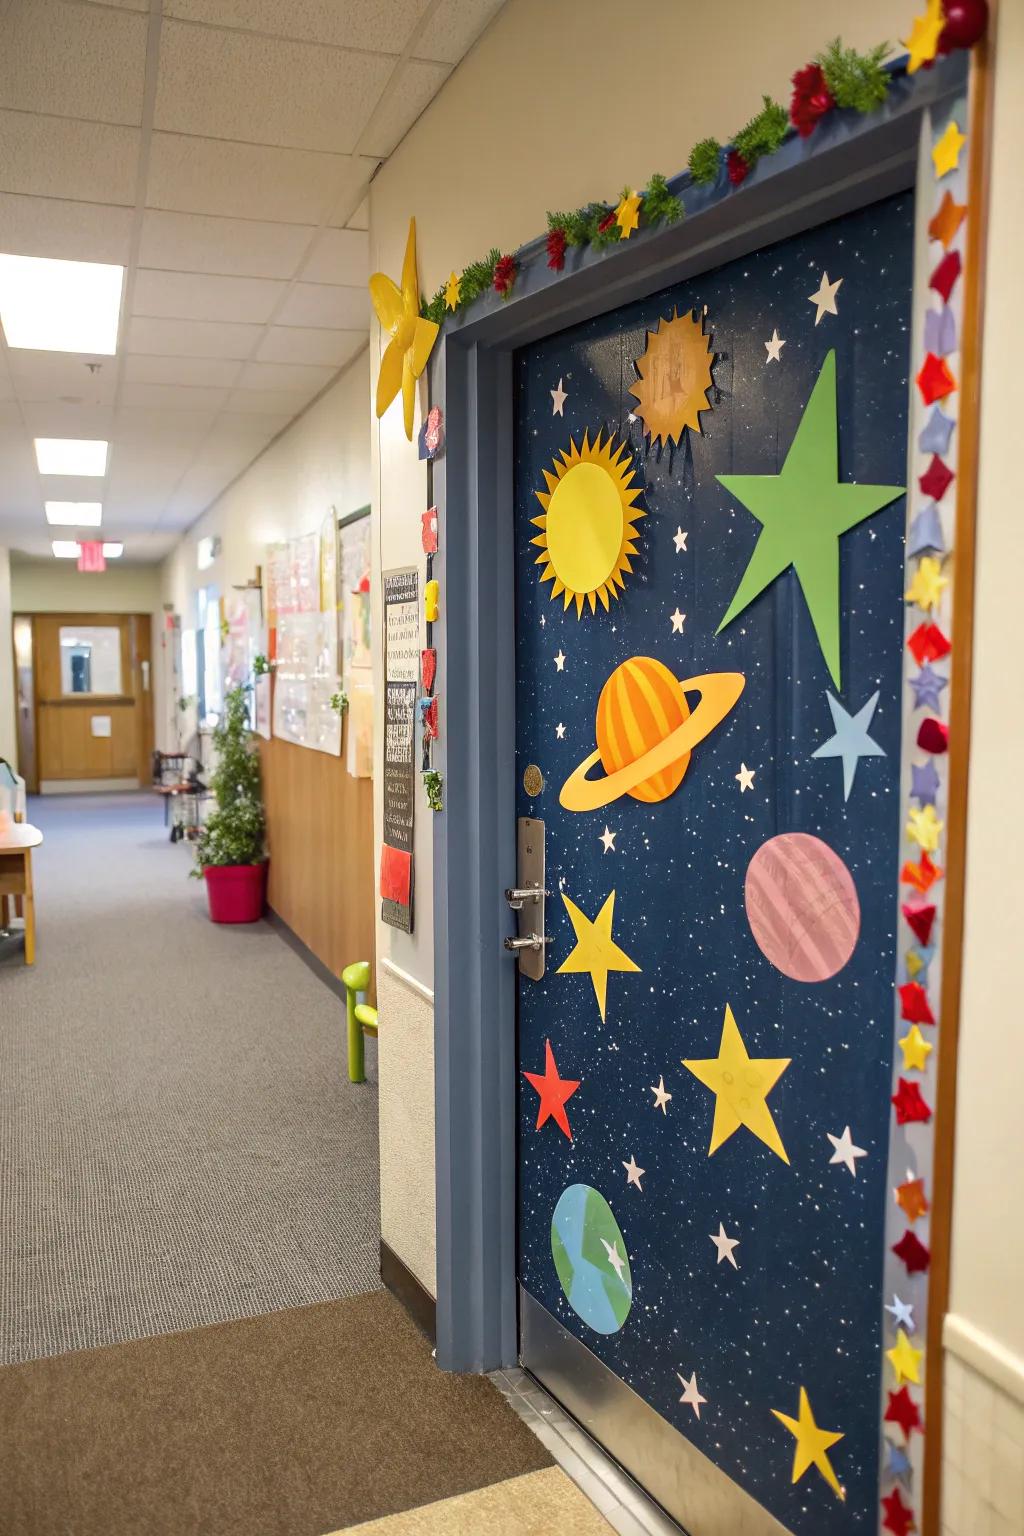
(899, 1463)
(927, 686)
(940, 331)
(936, 433)
(924, 782)
(851, 740)
(926, 956)
(902, 1314)
(926, 532)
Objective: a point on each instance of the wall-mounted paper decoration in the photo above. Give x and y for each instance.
(851, 741)
(596, 952)
(902, 1410)
(802, 906)
(675, 380)
(555, 1092)
(812, 1444)
(431, 438)
(428, 531)
(937, 479)
(428, 668)
(920, 916)
(928, 643)
(401, 666)
(947, 219)
(431, 601)
(911, 1199)
(933, 736)
(588, 525)
(914, 1006)
(942, 281)
(935, 381)
(913, 1253)
(741, 1085)
(590, 1258)
(412, 337)
(946, 153)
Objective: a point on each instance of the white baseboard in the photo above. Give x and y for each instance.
(407, 981)
(984, 1354)
(84, 786)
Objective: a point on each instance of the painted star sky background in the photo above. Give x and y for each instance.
(803, 1307)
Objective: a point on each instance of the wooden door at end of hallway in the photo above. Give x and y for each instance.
(93, 697)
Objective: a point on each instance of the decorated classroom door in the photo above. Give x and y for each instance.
(710, 570)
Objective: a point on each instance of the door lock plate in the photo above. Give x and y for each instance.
(527, 899)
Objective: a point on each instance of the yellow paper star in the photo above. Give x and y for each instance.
(595, 952)
(741, 1086)
(928, 584)
(627, 214)
(412, 337)
(946, 152)
(905, 1360)
(923, 42)
(452, 291)
(812, 1444)
(915, 1047)
(914, 963)
(925, 827)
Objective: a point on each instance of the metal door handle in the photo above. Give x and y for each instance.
(528, 899)
(515, 897)
(533, 942)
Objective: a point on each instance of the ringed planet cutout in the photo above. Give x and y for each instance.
(590, 1259)
(675, 378)
(646, 732)
(588, 526)
(802, 906)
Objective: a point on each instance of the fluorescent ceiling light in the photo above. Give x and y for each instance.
(60, 306)
(66, 549)
(71, 455)
(74, 514)
(113, 551)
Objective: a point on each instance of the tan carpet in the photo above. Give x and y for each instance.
(539, 1504)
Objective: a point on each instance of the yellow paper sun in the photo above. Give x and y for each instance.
(675, 378)
(589, 523)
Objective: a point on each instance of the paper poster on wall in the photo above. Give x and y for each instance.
(401, 672)
(356, 649)
(246, 638)
(329, 563)
(305, 677)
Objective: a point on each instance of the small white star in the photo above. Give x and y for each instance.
(558, 399)
(608, 838)
(559, 730)
(902, 1314)
(774, 348)
(560, 662)
(725, 1246)
(633, 1173)
(615, 1258)
(825, 298)
(677, 622)
(661, 1096)
(845, 1151)
(679, 539)
(543, 621)
(745, 777)
(691, 1393)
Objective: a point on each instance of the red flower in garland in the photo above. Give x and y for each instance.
(607, 221)
(556, 249)
(737, 167)
(811, 99)
(505, 270)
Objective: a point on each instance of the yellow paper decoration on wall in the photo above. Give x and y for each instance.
(412, 337)
(675, 378)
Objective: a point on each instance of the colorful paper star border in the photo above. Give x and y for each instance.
(916, 1050)
(905, 1360)
(946, 151)
(947, 220)
(453, 291)
(925, 828)
(911, 1199)
(928, 584)
(923, 42)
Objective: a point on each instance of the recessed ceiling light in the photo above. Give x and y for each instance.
(66, 549)
(71, 455)
(74, 514)
(60, 306)
(113, 551)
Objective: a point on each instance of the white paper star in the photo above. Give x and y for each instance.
(661, 1096)
(825, 298)
(633, 1173)
(615, 1258)
(678, 620)
(745, 777)
(559, 730)
(851, 741)
(558, 399)
(774, 348)
(560, 662)
(679, 540)
(902, 1314)
(725, 1246)
(845, 1151)
(608, 838)
(543, 620)
(691, 1393)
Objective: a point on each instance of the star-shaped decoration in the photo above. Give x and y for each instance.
(947, 219)
(913, 1253)
(937, 479)
(914, 1004)
(917, 961)
(905, 1360)
(851, 741)
(928, 643)
(845, 1152)
(677, 620)
(928, 584)
(554, 1092)
(825, 298)
(560, 730)
(903, 1314)
(924, 782)
(615, 1258)
(607, 839)
(741, 1085)
(920, 916)
(412, 337)
(725, 1246)
(453, 291)
(933, 735)
(679, 540)
(633, 1173)
(925, 828)
(899, 1463)
(812, 1444)
(661, 1096)
(935, 380)
(902, 1410)
(896, 1518)
(946, 151)
(936, 433)
(923, 42)
(922, 875)
(911, 1198)
(745, 778)
(560, 662)
(909, 1105)
(596, 953)
(775, 346)
(916, 1050)
(558, 399)
(803, 512)
(627, 214)
(940, 324)
(943, 280)
(926, 532)
(691, 1396)
(928, 686)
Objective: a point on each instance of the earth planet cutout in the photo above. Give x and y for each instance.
(590, 1257)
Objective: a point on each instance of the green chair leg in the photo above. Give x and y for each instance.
(356, 979)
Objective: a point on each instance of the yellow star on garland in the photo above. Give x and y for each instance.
(915, 965)
(627, 214)
(596, 952)
(905, 1360)
(946, 151)
(928, 584)
(452, 291)
(412, 337)
(741, 1085)
(925, 827)
(915, 1047)
(923, 42)
(812, 1444)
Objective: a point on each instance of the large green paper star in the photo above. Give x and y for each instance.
(802, 512)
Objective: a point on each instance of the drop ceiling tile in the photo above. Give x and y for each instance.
(191, 338)
(242, 430)
(344, 23)
(250, 181)
(61, 377)
(65, 231)
(339, 256)
(56, 419)
(185, 242)
(73, 61)
(174, 397)
(57, 157)
(69, 487)
(241, 85)
(454, 28)
(142, 428)
(270, 402)
(202, 296)
(290, 376)
(417, 84)
(321, 304)
(202, 372)
(361, 218)
(294, 344)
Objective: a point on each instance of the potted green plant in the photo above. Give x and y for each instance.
(231, 849)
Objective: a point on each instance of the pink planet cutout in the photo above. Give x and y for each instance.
(802, 906)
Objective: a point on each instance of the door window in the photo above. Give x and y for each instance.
(90, 658)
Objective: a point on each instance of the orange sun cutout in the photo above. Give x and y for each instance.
(675, 378)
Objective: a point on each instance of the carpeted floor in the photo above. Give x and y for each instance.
(537, 1504)
(291, 1425)
(179, 1143)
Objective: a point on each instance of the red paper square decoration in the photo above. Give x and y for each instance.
(395, 875)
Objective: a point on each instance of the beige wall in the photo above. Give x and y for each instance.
(8, 728)
(57, 586)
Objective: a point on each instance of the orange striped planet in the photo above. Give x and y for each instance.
(646, 732)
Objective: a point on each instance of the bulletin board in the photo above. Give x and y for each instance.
(305, 645)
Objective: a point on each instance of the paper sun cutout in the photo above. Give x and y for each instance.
(741, 1085)
(913, 1253)
(412, 337)
(902, 1410)
(851, 741)
(934, 379)
(923, 42)
(675, 378)
(588, 525)
(946, 152)
(596, 953)
(947, 220)
(911, 1199)
(554, 1092)
(812, 1444)
(627, 214)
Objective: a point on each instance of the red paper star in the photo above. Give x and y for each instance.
(554, 1092)
(910, 1106)
(920, 915)
(913, 1253)
(943, 279)
(911, 1199)
(898, 1518)
(933, 736)
(928, 643)
(922, 875)
(947, 220)
(936, 480)
(428, 669)
(934, 379)
(902, 1410)
(914, 1005)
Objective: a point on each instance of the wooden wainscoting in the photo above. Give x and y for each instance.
(320, 833)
